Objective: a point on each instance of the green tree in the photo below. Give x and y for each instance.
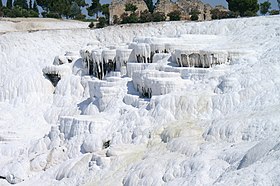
(150, 5)
(1, 4)
(105, 11)
(21, 3)
(9, 4)
(194, 15)
(175, 15)
(74, 10)
(94, 8)
(30, 4)
(264, 7)
(102, 22)
(35, 7)
(243, 6)
(278, 1)
(130, 7)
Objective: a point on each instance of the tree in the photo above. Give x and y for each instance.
(194, 15)
(150, 5)
(30, 4)
(21, 3)
(175, 15)
(264, 7)
(94, 8)
(35, 7)
(102, 22)
(243, 6)
(278, 1)
(130, 7)
(74, 10)
(105, 11)
(9, 4)
(1, 4)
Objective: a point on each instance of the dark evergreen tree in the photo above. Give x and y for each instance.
(21, 3)
(9, 4)
(278, 1)
(194, 15)
(1, 4)
(105, 11)
(74, 10)
(35, 7)
(30, 4)
(94, 8)
(150, 5)
(244, 7)
(264, 7)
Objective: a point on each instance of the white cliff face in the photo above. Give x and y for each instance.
(143, 123)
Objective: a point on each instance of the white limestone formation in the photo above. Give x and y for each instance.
(200, 58)
(153, 82)
(122, 57)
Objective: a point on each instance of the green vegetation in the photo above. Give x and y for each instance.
(175, 15)
(245, 8)
(194, 15)
(274, 12)
(264, 7)
(130, 7)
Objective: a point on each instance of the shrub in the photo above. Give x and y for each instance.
(217, 14)
(102, 22)
(175, 15)
(80, 17)
(132, 18)
(145, 16)
(116, 19)
(232, 14)
(249, 14)
(194, 15)
(130, 7)
(274, 12)
(53, 15)
(158, 16)
(91, 25)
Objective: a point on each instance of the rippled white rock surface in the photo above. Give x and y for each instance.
(214, 126)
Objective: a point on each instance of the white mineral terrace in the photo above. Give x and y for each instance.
(169, 103)
(157, 66)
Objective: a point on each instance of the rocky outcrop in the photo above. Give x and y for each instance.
(185, 7)
(117, 8)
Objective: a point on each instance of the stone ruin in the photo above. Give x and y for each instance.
(117, 8)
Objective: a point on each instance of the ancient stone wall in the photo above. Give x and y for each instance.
(117, 8)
